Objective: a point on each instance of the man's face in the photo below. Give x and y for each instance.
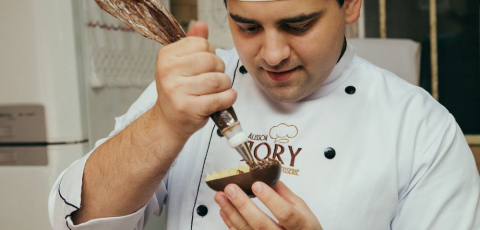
(290, 46)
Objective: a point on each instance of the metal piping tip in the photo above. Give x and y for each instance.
(244, 151)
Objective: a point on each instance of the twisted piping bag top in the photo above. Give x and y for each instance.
(148, 17)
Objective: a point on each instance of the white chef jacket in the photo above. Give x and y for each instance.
(367, 150)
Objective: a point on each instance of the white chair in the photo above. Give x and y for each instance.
(399, 56)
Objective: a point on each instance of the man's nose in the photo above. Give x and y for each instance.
(275, 48)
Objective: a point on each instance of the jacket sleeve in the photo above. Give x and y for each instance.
(444, 187)
(65, 196)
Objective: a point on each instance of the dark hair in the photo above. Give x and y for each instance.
(339, 2)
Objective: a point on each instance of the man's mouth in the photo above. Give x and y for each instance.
(281, 75)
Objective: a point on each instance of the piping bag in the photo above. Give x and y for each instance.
(152, 20)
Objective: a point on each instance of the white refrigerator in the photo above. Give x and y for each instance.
(50, 111)
(42, 111)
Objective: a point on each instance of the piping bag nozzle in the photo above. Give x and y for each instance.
(244, 151)
(227, 122)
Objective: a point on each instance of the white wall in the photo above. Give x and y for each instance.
(213, 12)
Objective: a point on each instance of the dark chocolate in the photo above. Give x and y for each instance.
(268, 173)
(261, 164)
(225, 118)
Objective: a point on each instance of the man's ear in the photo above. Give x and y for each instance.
(352, 10)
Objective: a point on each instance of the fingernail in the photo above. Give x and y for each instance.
(231, 192)
(220, 200)
(257, 187)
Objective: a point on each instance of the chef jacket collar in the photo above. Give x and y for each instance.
(336, 77)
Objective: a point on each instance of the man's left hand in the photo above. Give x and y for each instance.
(239, 212)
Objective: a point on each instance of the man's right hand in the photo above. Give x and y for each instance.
(191, 83)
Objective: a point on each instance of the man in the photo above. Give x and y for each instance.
(360, 148)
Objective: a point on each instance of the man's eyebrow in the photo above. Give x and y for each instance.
(300, 18)
(295, 19)
(241, 19)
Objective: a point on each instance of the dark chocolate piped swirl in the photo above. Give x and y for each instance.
(261, 164)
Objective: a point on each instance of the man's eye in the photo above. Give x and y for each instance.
(297, 29)
(248, 29)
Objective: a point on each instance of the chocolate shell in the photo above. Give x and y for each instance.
(268, 175)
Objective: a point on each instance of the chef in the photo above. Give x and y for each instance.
(360, 148)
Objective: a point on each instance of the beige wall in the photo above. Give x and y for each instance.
(184, 11)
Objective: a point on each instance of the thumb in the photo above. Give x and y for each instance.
(199, 29)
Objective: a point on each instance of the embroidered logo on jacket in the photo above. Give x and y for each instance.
(281, 135)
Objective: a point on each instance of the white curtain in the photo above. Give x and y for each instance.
(120, 57)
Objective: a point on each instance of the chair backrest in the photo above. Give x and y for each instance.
(399, 56)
